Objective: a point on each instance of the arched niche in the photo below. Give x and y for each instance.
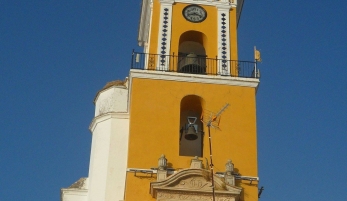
(192, 53)
(191, 106)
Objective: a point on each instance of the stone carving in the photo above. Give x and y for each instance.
(167, 195)
(162, 162)
(228, 176)
(161, 175)
(193, 184)
(196, 163)
(229, 167)
(162, 165)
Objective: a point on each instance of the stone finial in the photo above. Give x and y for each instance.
(196, 163)
(162, 162)
(228, 176)
(162, 165)
(229, 167)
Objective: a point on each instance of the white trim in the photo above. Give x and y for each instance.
(249, 178)
(105, 117)
(223, 10)
(144, 22)
(208, 79)
(153, 171)
(74, 191)
(209, 2)
(165, 4)
(67, 194)
(146, 47)
(109, 152)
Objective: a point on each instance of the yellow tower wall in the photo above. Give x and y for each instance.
(233, 35)
(155, 124)
(154, 27)
(208, 27)
(180, 25)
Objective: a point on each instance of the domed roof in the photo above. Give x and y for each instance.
(119, 83)
(114, 83)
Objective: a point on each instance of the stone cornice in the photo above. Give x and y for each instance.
(167, 1)
(226, 3)
(193, 183)
(194, 78)
(107, 116)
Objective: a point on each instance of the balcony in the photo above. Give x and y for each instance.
(194, 64)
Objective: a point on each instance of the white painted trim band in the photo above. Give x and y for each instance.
(224, 3)
(208, 79)
(105, 117)
(151, 171)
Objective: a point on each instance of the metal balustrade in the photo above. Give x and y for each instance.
(194, 64)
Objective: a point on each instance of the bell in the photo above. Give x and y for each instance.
(191, 133)
(191, 64)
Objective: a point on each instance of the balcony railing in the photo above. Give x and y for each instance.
(194, 64)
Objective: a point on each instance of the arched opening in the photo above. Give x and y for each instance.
(192, 53)
(191, 128)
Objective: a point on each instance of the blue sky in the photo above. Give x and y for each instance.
(55, 56)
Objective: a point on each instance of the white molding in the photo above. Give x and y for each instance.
(105, 117)
(146, 46)
(79, 192)
(223, 10)
(109, 152)
(231, 3)
(74, 194)
(145, 18)
(208, 79)
(165, 4)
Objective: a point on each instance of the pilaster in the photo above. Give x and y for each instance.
(223, 29)
(164, 35)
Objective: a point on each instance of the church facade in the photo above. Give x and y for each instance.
(182, 126)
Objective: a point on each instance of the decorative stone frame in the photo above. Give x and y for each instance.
(193, 184)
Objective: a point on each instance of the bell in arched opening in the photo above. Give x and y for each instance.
(191, 129)
(191, 133)
(192, 63)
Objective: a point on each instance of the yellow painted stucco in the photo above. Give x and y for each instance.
(180, 25)
(208, 27)
(155, 109)
(153, 35)
(154, 130)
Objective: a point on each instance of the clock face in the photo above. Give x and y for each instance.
(194, 13)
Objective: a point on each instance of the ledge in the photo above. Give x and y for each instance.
(107, 116)
(195, 78)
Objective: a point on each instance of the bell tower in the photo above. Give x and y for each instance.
(153, 134)
(201, 29)
(188, 70)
